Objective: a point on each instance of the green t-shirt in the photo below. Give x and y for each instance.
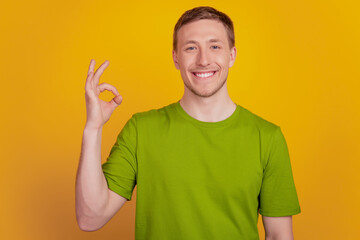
(201, 180)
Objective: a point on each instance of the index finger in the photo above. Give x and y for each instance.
(92, 66)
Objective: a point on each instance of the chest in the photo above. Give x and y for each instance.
(209, 159)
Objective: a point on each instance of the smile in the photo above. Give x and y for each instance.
(204, 74)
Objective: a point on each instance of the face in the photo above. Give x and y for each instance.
(203, 57)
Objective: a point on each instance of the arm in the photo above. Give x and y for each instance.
(95, 204)
(278, 228)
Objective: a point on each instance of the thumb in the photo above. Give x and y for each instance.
(116, 101)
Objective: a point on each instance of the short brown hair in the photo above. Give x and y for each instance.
(199, 13)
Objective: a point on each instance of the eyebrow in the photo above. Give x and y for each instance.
(211, 40)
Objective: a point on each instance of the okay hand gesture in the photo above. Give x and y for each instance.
(98, 111)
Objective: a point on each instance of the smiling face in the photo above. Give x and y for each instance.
(203, 57)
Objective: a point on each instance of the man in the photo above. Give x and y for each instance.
(205, 167)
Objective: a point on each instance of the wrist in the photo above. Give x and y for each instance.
(91, 129)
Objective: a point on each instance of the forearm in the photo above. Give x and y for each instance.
(91, 187)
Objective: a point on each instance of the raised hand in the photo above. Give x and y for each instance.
(98, 111)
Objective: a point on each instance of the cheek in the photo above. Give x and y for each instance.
(223, 60)
(186, 60)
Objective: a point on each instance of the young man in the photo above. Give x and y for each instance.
(205, 167)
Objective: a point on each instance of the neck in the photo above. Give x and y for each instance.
(216, 108)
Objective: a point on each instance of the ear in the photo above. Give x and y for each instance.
(175, 58)
(232, 56)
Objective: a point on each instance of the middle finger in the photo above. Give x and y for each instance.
(100, 71)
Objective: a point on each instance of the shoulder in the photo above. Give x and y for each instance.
(266, 130)
(259, 123)
(155, 115)
(268, 133)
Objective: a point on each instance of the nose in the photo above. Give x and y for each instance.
(203, 58)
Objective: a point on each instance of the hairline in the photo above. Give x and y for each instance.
(227, 30)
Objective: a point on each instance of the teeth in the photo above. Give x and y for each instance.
(204, 75)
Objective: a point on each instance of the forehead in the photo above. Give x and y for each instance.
(202, 30)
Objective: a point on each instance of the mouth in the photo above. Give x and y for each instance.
(204, 75)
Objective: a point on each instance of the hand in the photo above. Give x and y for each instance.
(98, 111)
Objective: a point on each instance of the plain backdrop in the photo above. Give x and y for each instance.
(297, 66)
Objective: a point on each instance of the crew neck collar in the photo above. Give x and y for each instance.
(221, 123)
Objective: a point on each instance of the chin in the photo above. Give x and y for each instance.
(202, 93)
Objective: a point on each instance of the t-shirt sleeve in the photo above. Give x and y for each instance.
(120, 168)
(278, 195)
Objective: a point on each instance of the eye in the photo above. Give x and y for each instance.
(190, 48)
(215, 47)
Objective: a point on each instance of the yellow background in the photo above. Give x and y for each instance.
(297, 66)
